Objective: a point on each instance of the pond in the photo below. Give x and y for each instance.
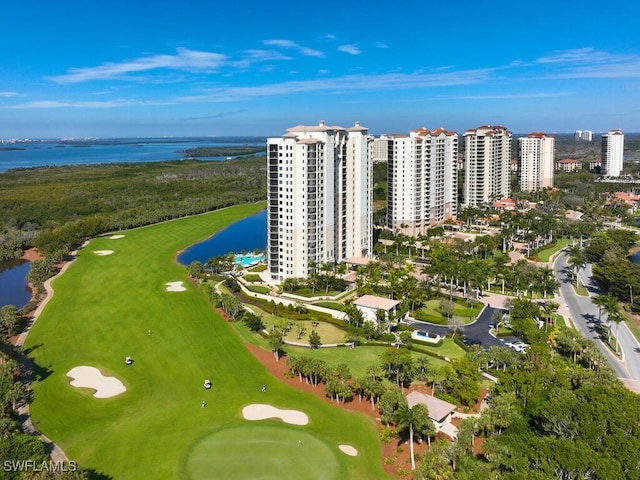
(13, 286)
(247, 235)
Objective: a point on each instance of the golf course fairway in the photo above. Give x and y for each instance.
(108, 307)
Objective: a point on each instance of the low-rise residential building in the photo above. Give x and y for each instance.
(567, 165)
(440, 412)
(370, 305)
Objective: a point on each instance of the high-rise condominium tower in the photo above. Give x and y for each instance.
(611, 154)
(583, 135)
(421, 179)
(535, 162)
(486, 172)
(319, 196)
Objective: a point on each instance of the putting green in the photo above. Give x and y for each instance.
(262, 452)
(101, 313)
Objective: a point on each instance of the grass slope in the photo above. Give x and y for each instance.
(101, 312)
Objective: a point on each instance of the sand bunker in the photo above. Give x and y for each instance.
(115, 237)
(349, 450)
(103, 252)
(91, 377)
(175, 287)
(260, 411)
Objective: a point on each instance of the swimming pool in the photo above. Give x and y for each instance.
(248, 259)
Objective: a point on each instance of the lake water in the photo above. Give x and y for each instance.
(247, 234)
(13, 286)
(46, 153)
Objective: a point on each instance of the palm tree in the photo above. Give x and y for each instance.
(276, 342)
(327, 268)
(413, 418)
(600, 301)
(577, 260)
(612, 310)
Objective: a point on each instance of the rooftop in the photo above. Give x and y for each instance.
(371, 301)
(438, 409)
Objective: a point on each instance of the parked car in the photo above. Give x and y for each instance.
(468, 341)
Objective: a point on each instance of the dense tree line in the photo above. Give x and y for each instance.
(557, 411)
(54, 208)
(17, 446)
(222, 151)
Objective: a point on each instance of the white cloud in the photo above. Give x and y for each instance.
(350, 49)
(345, 84)
(585, 55)
(9, 94)
(588, 63)
(309, 52)
(508, 96)
(185, 59)
(85, 104)
(254, 56)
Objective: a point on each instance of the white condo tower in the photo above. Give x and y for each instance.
(319, 194)
(486, 168)
(612, 153)
(421, 179)
(535, 162)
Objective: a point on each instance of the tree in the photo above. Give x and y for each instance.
(301, 330)
(253, 321)
(412, 419)
(275, 343)
(577, 260)
(9, 317)
(435, 464)
(314, 339)
(501, 412)
(398, 364)
(389, 403)
(40, 271)
(195, 269)
(612, 310)
(447, 309)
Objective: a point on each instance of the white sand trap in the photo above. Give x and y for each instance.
(175, 287)
(349, 450)
(91, 377)
(102, 253)
(115, 237)
(260, 411)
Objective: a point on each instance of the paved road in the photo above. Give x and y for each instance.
(585, 313)
(478, 330)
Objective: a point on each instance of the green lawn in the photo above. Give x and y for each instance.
(252, 277)
(101, 312)
(545, 255)
(430, 312)
(358, 359)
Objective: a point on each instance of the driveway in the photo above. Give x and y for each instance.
(478, 330)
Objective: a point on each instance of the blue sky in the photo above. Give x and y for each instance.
(141, 68)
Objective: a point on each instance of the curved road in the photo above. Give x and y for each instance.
(580, 310)
(585, 314)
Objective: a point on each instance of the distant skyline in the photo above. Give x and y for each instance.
(84, 68)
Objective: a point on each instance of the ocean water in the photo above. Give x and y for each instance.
(248, 234)
(79, 152)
